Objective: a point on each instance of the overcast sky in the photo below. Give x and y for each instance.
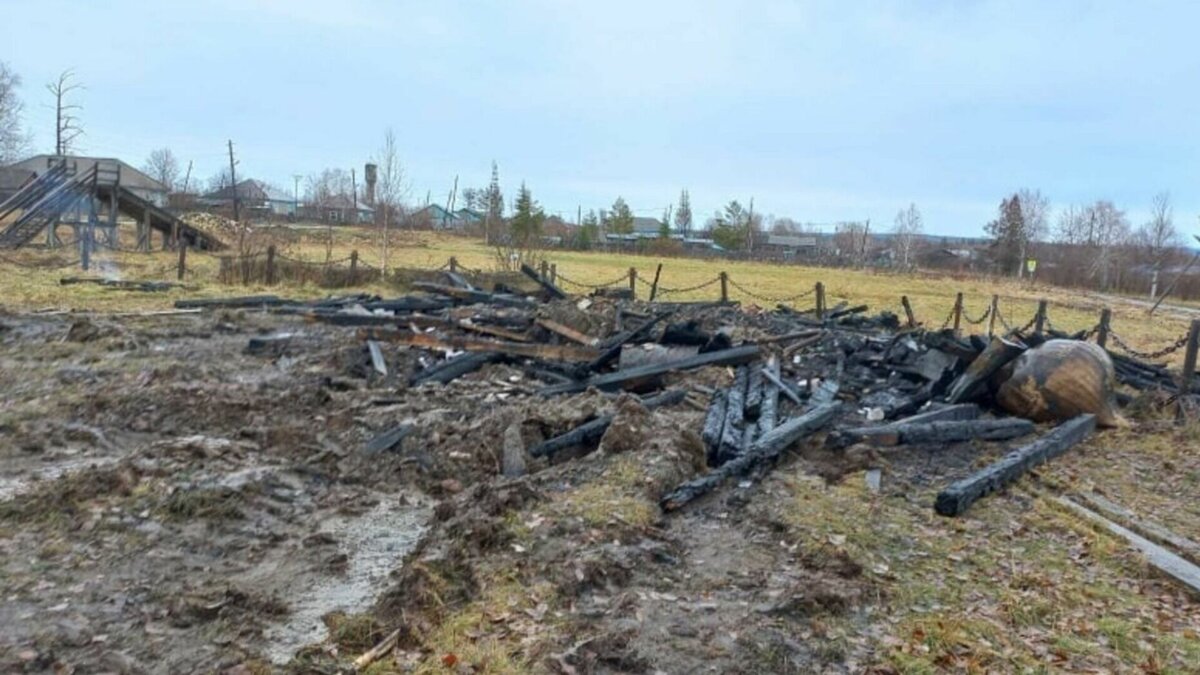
(818, 111)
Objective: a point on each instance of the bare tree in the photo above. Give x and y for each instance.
(906, 230)
(66, 125)
(1035, 212)
(1099, 233)
(162, 166)
(1158, 238)
(391, 188)
(219, 180)
(14, 140)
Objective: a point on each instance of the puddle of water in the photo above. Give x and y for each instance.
(375, 542)
(11, 486)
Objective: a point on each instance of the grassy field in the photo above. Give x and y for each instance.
(31, 279)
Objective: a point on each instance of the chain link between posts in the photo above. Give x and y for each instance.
(1149, 356)
(662, 290)
(767, 298)
(562, 277)
(982, 317)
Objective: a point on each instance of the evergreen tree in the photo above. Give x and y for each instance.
(683, 216)
(1010, 235)
(589, 230)
(620, 220)
(525, 226)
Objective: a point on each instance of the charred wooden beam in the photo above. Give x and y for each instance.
(842, 438)
(408, 303)
(714, 424)
(612, 348)
(997, 354)
(769, 407)
(840, 313)
(552, 290)
(943, 431)
(465, 295)
(459, 280)
(232, 303)
(731, 432)
(592, 431)
(764, 451)
(453, 368)
(754, 393)
(623, 379)
(568, 332)
(958, 497)
(463, 343)
(784, 387)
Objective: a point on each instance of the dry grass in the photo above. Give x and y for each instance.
(1014, 587)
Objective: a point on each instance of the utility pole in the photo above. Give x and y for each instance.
(233, 182)
(750, 228)
(187, 178)
(354, 195)
(450, 201)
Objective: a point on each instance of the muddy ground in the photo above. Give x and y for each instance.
(172, 502)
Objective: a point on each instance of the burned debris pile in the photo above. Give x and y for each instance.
(765, 379)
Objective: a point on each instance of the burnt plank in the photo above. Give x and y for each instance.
(941, 431)
(956, 498)
(769, 407)
(453, 368)
(458, 342)
(623, 378)
(714, 423)
(612, 348)
(762, 452)
(552, 290)
(231, 302)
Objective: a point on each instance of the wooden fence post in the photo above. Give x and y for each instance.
(958, 308)
(544, 269)
(453, 264)
(1189, 358)
(1039, 322)
(724, 287)
(633, 282)
(182, 259)
(553, 274)
(654, 286)
(992, 315)
(271, 265)
(353, 263)
(1102, 333)
(908, 311)
(819, 289)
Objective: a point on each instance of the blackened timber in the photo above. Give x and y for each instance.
(763, 451)
(731, 433)
(465, 295)
(377, 361)
(454, 367)
(612, 348)
(997, 354)
(408, 303)
(554, 291)
(857, 309)
(714, 424)
(943, 431)
(784, 388)
(625, 378)
(754, 393)
(769, 407)
(462, 343)
(592, 431)
(962, 411)
(459, 280)
(958, 497)
(232, 302)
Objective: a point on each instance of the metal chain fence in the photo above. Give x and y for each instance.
(767, 298)
(1149, 356)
